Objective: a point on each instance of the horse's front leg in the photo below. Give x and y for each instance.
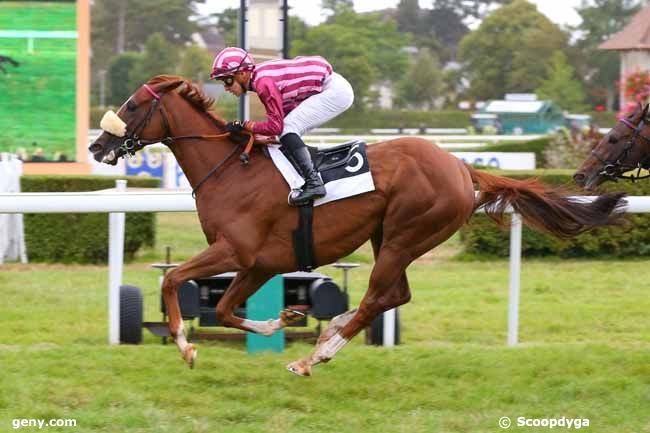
(242, 287)
(217, 258)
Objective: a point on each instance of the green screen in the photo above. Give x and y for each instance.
(37, 98)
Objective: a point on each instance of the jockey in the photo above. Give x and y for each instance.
(299, 94)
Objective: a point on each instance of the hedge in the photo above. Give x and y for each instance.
(82, 237)
(482, 236)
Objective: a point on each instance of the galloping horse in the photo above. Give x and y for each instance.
(625, 148)
(423, 196)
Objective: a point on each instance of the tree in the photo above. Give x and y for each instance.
(445, 26)
(119, 71)
(336, 7)
(363, 48)
(469, 9)
(423, 83)
(600, 20)
(561, 85)
(125, 25)
(158, 58)
(196, 63)
(409, 16)
(510, 51)
(228, 26)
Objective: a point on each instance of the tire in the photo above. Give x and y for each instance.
(377, 330)
(130, 315)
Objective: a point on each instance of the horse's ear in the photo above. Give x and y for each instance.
(645, 111)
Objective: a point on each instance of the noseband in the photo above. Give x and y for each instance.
(133, 143)
(613, 170)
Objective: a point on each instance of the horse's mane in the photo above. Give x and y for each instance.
(191, 93)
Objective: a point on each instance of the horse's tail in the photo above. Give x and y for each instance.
(544, 208)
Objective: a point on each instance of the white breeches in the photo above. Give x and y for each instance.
(336, 97)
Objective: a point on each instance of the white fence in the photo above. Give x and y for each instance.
(116, 202)
(12, 238)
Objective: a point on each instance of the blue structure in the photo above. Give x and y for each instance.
(525, 114)
(266, 303)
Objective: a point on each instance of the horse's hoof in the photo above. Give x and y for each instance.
(189, 355)
(289, 316)
(299, 369)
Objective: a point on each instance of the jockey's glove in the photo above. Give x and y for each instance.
(237, 126)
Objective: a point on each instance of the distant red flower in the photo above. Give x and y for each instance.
(636, 88)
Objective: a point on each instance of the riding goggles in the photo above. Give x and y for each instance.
(228, 80)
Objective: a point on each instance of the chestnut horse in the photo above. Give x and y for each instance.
(624, 149)
(423, 196)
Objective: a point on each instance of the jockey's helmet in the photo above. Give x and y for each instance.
(231, 60)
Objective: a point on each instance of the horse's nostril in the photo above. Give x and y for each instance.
(579, 178)
(95, 147)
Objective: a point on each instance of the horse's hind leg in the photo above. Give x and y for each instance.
(217, 258)
(389, 288)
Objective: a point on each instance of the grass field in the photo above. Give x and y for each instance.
(584, 353)
(37, 107)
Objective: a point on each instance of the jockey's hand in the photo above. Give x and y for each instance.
(237, 126)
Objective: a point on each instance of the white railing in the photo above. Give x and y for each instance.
(12, 234)
(117, 202)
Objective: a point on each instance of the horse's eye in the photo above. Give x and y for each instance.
(131, 106)
(613, 139)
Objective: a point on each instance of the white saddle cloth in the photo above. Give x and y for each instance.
(336, 189)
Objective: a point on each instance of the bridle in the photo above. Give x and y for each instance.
(133, 142)
(614, 170)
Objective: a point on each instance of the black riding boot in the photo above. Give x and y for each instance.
(313, 187)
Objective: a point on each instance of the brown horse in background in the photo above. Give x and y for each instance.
(624, 150)
(423, 196)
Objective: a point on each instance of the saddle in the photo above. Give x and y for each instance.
(331, 157)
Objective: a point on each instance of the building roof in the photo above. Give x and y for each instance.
(635, 36)
(514, 106)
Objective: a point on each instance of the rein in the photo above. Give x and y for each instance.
(614, 170)
(133, 143)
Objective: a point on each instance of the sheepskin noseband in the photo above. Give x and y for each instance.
(112, 124)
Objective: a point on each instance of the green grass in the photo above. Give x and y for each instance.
(584, 353)
(37, 108)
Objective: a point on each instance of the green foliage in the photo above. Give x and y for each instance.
(196, 63)
(510, 51)
(159, 58)
(561, 86)
(82, 237)
(119, 77)
(37, 98)
(228, 26)
(568, 148)
(141, 19)
(362, 48)
(601, 69)
(482, 236)
(423, 83)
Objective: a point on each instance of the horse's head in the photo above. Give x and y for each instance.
(626, 147)
(140, 121)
